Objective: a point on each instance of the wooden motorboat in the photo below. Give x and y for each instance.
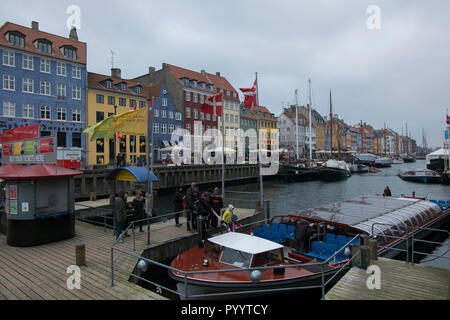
(333, 170)
(383, 162)
(297, 173)
(422, 176)
(267, 261)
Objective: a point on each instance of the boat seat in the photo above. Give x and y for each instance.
(257, 232)
(266, 227)
(274, 226)
(442, 204)
(275, 237)
(434, 201)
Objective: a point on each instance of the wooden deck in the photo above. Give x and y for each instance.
(39, 273)
(398, 281)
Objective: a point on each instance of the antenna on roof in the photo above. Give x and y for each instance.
(112, 60)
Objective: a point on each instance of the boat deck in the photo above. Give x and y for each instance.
(398, 281)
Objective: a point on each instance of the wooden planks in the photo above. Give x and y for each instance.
(398, 281)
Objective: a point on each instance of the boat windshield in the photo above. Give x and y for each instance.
(212, 250)
(236, 258)
(267, 258)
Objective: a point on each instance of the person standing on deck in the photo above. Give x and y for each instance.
(387, 192)
(227, 215)
(217, 205)
(121, 214)
(138, 205)
(191, 197)
(178, 205)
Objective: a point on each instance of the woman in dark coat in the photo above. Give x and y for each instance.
(138, 205)
(178, 205)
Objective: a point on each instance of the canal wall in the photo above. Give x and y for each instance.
(92, 182)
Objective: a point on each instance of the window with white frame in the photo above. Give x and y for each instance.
(163, 113)
(45, 88)
(170, 114)
(28, 111)
(171, 128)
(76, 115)
(188, 112)
(195, 97)
(27, 85)
(76, 93)
(156, 112)
(61, 69)
(61, 91)
(163, 128)
(27, 62)
(188, 96)
(208, 117)
(45, 65)
(9, 109)
(202, 99)
(45, 113)
(202, 116)
(9, 82)
(188, 127)
(164, 102)
(214, 117)
(9, 58)
(76, 72)
(61, 114)
(156, 128)
(195, 113)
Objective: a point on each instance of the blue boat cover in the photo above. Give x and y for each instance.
(134, 174)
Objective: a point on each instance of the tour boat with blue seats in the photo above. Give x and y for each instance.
(294, 251)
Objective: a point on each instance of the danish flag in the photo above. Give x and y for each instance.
(213, 105)
(249, 96)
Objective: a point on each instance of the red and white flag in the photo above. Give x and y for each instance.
(213, 105)
(249, 96)
(448, 118)
(150, 106)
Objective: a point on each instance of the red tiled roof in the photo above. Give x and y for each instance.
(262, 111)
(222, 83)
(94, 80)
(32, 35)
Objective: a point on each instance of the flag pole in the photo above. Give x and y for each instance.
(149, 160)
(223, 145)
(261, 189)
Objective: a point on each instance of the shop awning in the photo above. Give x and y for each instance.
(133, 174)
(40, 171)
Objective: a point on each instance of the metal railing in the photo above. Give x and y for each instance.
(332, 274)
(96, 215)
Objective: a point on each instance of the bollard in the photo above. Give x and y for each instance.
(373, 244)
(356, 258)
(80, 255)
(365, 257)
(257, 206)
(92, 196)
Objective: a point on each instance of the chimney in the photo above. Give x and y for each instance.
(164, 65)
(203, 72)
(151, 70)
(35, 25)
(116, 73)
(218, 74)
(73, 34)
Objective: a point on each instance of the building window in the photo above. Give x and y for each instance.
(188, 127)
(70, 52)
(45, 113)
(45, 46)
(164, 102)
(163, 128)
(178, 116)
(156, 112)
(132, 103)
(27, 62)
(99, 116)
(45, 65)
(142, 144)
(76, 72)
(195, 113)
(16, 39)
(9, 109)
(195, 97)
(76, 93)
(141, 104)
(108, 84)
(122, 102)
(208, 117)
(28, 111)
(122, 87)
(76, 139)
(61, 139)
(170, 114)
(111, 100)
(188, 96)
(9, 82)
(9, 58)
(100, 98)
(100, 159)
(100, 145)
(163, 113)
(123, 145)
(171, 127)
(188, 112)
(202, 99)
(76, 115)
(202, 116)
(156, 128)
(61, 69)
(61, 114)
(60, 91)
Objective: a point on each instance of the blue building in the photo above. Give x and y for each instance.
(43, 82)
(165, 120)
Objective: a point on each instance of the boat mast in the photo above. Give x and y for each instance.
(385, 152)
(296, 122)
(310, 124)
(331, 129)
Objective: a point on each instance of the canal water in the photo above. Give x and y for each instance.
(288, 198)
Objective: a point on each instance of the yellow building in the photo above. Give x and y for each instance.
(268, 126)
(107, 95)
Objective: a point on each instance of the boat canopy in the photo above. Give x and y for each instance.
(363, 212)
(245, 242)
(438, 154)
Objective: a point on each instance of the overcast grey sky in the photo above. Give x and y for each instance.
(397, 74)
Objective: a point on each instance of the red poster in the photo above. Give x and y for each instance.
(13, 191)
(7, 150)
(21, 133)
(47, 145)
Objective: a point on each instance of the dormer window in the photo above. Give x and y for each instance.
(108, 84)
(44, 45)
(122, 86)
(16, 38)
(138, 89)
(202, 85)
(194, 83)
(70, 52)
(185, 81)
